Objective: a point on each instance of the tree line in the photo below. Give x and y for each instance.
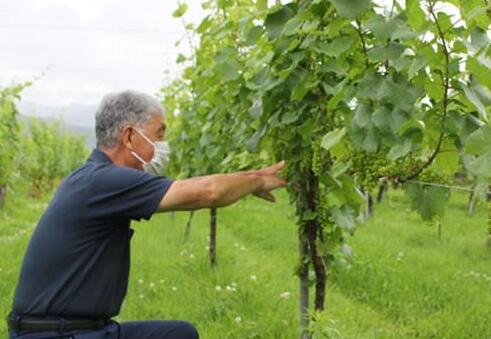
(35, 151)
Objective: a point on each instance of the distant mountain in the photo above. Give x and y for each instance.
(76, 118)
(75, 114)
(88, 132)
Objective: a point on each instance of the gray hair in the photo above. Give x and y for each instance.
(118, 109)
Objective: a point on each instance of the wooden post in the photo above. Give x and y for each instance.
(3, 192)
(187, 231)
(303, 277)
(213, 237)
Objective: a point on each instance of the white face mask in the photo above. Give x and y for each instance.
(160, 159)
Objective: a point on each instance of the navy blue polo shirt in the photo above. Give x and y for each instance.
(78, 259)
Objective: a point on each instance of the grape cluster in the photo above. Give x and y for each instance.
(306, 160)
(332, 233)
(431, 176)
(288, 171)
(322, 208)
(313, 158)
(367, 168)
(317, 158)
(404, 168)
(401, 168)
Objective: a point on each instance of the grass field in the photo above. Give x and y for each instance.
(402, 282)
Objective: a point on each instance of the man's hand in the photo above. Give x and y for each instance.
(221, 190)
(271, 180)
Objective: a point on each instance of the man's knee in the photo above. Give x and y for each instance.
(186, 330)
(158, 329)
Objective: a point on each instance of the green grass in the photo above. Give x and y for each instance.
(17, 221)
(436, 287)
(403, 282)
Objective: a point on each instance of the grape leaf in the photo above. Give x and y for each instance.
(399, 150)
(332, 138)
(276, 20)
(416, 16)
(429, 202)
(180, 11)
(253, 143)
(479, 141)
(351, 8)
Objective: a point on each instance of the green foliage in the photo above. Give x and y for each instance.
(180, 11)
(49, 154)
(478, 145)
(332, 138)
(9, 131)
(428, 202)
(38, 152)
(315, 82)
(400, 281)
(367, 167)
(204, 117)
(351, 8)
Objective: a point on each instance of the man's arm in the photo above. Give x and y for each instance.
(221, 190)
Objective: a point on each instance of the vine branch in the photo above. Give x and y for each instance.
(446, 87)
(363, 42)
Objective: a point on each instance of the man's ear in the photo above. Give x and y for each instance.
(127, 136)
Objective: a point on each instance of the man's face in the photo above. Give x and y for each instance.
(154, 130)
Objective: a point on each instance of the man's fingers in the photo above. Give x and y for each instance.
(265, 195)
(280, 182)
(279, 166)
(269, 197)
(272, 182)
(273, 169)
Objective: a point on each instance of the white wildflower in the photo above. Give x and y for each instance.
(285, 295)
(347, 250)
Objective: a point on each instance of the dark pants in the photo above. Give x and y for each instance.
(130, 330)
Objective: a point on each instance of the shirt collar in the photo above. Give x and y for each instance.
(99, 156)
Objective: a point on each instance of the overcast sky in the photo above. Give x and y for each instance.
(89, 47)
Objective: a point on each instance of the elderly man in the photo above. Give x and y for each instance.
(75, 271)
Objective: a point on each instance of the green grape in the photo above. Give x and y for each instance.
(306, 161)
(317, 159)
(322, 208)
(367, 168)
(289, 170)
(430, 176)
(401, 168)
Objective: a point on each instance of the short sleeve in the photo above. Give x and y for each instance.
(123, 192)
